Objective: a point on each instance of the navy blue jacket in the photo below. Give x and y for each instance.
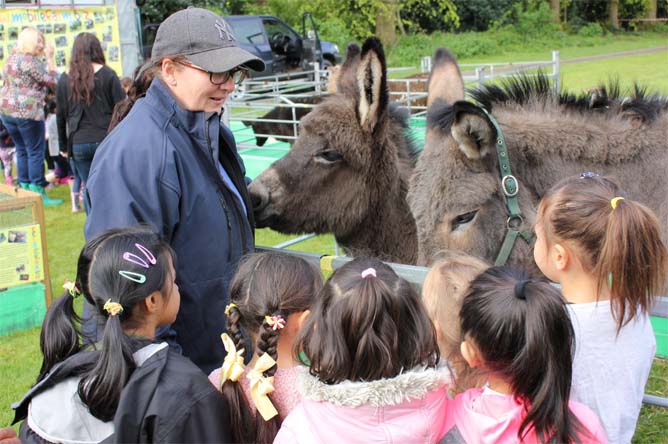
(160, 166)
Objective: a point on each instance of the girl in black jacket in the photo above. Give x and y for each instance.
(129, 388)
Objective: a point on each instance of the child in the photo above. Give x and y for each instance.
(517, 331)
(606, 252)
(442, 293)
(132, 389)
(373, 363)
(271, 295)
(7, 151)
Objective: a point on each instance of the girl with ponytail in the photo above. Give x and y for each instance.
(373, 363)
(517, 334)
(128, 387)
(607, 252)
(271, 295)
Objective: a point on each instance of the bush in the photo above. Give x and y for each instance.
(591, 30)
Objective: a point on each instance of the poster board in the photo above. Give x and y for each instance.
(23, 254)
(60, 27)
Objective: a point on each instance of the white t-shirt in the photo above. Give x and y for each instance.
(610, 370)
(52, 134)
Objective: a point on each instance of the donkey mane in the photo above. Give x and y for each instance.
(410, 151)
(607, 99)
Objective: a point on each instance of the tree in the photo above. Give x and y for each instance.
(652, 6)
(554, 4)
(613, 14)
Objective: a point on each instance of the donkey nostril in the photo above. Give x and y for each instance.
(259, 195)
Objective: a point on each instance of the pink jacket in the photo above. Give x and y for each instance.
(403, 409)
(488, 417)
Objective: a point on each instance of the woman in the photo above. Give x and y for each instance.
(85, 102)
(27, 77)
(172, 164)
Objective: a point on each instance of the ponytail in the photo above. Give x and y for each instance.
(59, 338)
(618, 240)
(515, 323)
(268, 343)
(633, 260)
(240, 418)
(100, 388)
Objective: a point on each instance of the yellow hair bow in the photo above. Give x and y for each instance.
(229, 307)
(261, 386)
(113, 308)
(233, 365)
(614, 201)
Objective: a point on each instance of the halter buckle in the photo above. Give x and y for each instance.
(504, 185)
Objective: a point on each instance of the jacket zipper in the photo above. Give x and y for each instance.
(219, 192)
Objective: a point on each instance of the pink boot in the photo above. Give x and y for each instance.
(9, 180)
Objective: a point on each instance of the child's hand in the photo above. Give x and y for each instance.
(8, 436)
(64, 154)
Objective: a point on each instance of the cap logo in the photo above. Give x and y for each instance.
(224, 31)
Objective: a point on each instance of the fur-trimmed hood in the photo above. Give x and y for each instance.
(410, 385)
(409, 408)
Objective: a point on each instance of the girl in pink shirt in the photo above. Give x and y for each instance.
(271, 294)
(517, 332)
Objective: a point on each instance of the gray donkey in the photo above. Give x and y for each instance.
(456, 193)
(348, 171)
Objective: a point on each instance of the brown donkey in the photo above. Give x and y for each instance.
(348, 171)
(456, 193)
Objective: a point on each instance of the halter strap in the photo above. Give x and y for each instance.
(510, 187)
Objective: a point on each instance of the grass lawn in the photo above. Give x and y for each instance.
(19, 353)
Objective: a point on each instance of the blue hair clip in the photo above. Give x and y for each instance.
(135, 277)
(589, 175)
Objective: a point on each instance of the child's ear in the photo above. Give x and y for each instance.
(471, 354)
(561, 256)
(301, 318)
(153, 302)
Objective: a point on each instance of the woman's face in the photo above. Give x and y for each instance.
(193, 89)
(40, 44)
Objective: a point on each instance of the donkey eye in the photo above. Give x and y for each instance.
(462, 219)
(329, 156)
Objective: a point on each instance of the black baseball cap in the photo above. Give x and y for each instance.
(205, 39)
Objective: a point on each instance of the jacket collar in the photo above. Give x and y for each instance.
(192, 121)
(409, 385)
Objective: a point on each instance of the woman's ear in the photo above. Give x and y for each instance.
(169, 68)
(471, 354)
(561, 256)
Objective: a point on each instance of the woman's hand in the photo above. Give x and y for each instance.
(8, 436)
(48, 51)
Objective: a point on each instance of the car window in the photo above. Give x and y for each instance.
(248, 31)
(273, 27)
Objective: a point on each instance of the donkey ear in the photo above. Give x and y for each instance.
(343, 78)
(372, 95)
(472, 130)
(445, 79)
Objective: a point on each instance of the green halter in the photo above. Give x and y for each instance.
(510, 188)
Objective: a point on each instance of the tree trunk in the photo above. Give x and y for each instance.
(651, 9)
(613, 13)
(385, 22)
(554, 5)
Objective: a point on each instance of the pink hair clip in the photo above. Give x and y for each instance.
(275, 322)
(369, 272)
(131, 257)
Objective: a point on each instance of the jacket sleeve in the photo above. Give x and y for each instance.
(40, 73)
(62, 109)
(117, 91)
(207, 420)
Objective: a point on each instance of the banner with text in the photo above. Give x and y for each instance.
(21, 256)
(60, 27)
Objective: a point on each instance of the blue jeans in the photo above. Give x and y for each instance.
(76, 184)
(28, 136)
(83, 158)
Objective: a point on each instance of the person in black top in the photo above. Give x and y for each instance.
(85, 101)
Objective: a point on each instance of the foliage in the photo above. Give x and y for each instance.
(155, 11)
(528, 19)
(591, 30)
(478, 15)
(429, 15)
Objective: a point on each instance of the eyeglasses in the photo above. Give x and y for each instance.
(218, 78)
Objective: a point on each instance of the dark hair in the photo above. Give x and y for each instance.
(140, 84)
(523, 331)
(365, 329)
(85, 51)
(99, 279)
(622, 247)
(265, 284)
